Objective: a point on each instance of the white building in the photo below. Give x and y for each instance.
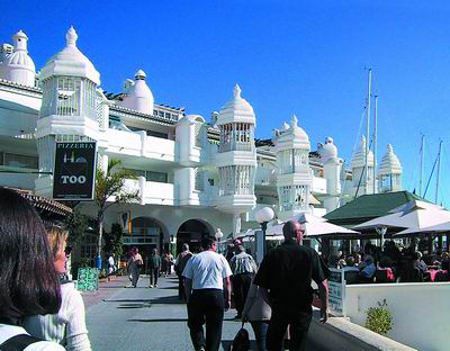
(193, 177)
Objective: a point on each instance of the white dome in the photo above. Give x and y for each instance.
(18, 67)
(236, 110)
(138, 95)
(390, 163)
(70, 61)
(293, 136)
(358, 159)
(328, 150)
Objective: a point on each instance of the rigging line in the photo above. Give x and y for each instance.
(431, 176)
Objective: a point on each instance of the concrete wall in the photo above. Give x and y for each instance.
(420, 311)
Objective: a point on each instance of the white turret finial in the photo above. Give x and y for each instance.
(20, 41)
(389, 149)
(329, 140)
(285, 126)
(71, 37)
(237, 91)
(140, 75)
(294, 121)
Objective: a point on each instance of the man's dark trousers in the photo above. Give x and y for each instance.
(154, 274)
(298, 322)
(241, 286)
(206, 305)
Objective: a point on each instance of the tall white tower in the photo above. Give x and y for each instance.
(294, 176)
(390, 172)
(69, 110)
(332, 167)
(236, 158)
(358, 164)
(18, 67)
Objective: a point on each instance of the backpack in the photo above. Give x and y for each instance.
(18, 342)
(241, 341)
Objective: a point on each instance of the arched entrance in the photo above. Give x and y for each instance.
(192, 232)
(146, 234)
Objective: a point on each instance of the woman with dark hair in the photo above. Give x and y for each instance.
(68, 326)
(29, 284)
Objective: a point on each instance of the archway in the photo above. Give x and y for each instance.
(192, 232)
(146, 234)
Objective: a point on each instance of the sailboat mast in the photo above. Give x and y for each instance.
(422, 153)
(438, 174)
(366, 166)
(375, 126)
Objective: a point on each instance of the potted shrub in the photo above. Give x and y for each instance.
(379, 319)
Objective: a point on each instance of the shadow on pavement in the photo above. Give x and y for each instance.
(135, 305)
(129, 300)
(158, 320)
(170, 300)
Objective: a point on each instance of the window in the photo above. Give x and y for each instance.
(18, 161)
(151, 176)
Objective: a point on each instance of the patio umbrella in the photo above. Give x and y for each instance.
(314, 227)
(413, 216)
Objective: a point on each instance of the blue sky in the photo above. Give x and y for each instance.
(301, 57)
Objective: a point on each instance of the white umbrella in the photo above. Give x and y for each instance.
(314, 227)
(439, 228)
(414, 216)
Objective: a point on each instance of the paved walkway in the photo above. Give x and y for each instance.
(144, 319)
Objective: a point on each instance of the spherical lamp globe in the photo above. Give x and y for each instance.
(264, 215)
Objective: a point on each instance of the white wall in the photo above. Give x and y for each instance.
(421, 311)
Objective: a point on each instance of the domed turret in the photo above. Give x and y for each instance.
(138, 95)
(236, 110)
(390, 171)
(294, 176)
(328, 150)
(18, 67)
(236, 158)
(293, 136)
(390, 163)
(358, 159)
(362, 184)
(70, 61)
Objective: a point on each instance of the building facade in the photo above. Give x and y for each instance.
(193, 176)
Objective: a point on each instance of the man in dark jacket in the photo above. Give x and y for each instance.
(286, 274)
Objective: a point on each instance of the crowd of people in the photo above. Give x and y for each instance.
(276, 298)
(395, 263)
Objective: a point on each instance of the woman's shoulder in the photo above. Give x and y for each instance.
(44, 346)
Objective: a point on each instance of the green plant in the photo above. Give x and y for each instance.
(379, 319)
(113, 241)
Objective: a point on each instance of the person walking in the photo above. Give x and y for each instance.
(154, 268)
(285, 277)
(135, 264)
(68, 326)
(257, 311)
(180, 263)
(206, 275)
(243, 267)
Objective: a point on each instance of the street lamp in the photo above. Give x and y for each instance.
(219, 234)
(381, 230)
(263, 216)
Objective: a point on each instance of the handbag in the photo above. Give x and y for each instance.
(241, 341)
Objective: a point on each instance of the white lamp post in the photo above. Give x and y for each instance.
(263, 216)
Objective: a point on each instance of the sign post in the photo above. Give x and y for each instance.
(74, 171)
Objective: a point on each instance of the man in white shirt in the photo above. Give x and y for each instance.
(205, 276)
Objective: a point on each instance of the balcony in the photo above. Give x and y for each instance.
(140, 145)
